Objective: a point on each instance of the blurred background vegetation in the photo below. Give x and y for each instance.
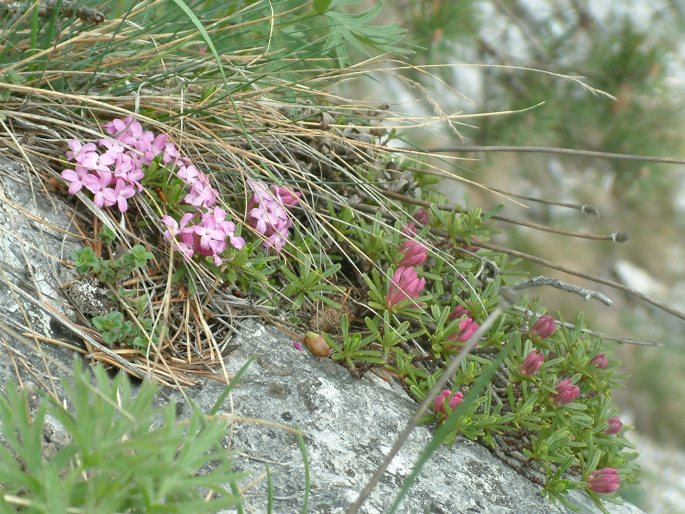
(633, 50)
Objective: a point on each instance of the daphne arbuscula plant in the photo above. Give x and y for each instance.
(113, 171)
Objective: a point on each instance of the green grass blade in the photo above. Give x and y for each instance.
(227, 390)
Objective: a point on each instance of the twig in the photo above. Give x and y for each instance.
(584, 208)
(541, 280)
(549, 149)
(564, 269)
(616, 237)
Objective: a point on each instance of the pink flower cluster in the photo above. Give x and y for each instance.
(267, 212)
(467, 325)
(205, 232)
(206, 237)
(113, 173)
(113, 170)
(600, 361)
(615, 426)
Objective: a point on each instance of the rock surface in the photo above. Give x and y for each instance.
(348, 424)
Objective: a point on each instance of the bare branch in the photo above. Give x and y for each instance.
(586, 294)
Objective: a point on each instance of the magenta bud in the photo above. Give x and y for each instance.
(298, 346)
(422, 216)
(604, 481)
(453, 399)
(567, 391)
(600, 361)
(544, 327)
(532, 362)
(409, 230)
(467, 327)
(288, 198)
(615, 426)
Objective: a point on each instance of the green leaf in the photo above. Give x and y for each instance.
(321, 6)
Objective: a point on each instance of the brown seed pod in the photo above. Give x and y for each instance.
(316, 344)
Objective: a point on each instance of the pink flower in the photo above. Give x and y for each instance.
(155, 148)
(413, 253)
(202, 194)
(467, 327)
(453, 399)
(422, 216)
(298, 346)
(123, 191)
(405, 284)
(567, 391)
(615, 426)
(75, 178)
(78, 149)
(98, 184)
(117, 126)
(600, 361)
(543, 327)
(604, 481)
(532, 362)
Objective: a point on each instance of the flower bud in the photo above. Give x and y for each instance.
(600, 361)
(405, 284)
(544, 327)
(532, 362)
(567, 391)
(467, 327)
(453, 399)
(317, 344)
(615, 426)
(604, 481)
(459, 312)
(409, 230)
(422, 216)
